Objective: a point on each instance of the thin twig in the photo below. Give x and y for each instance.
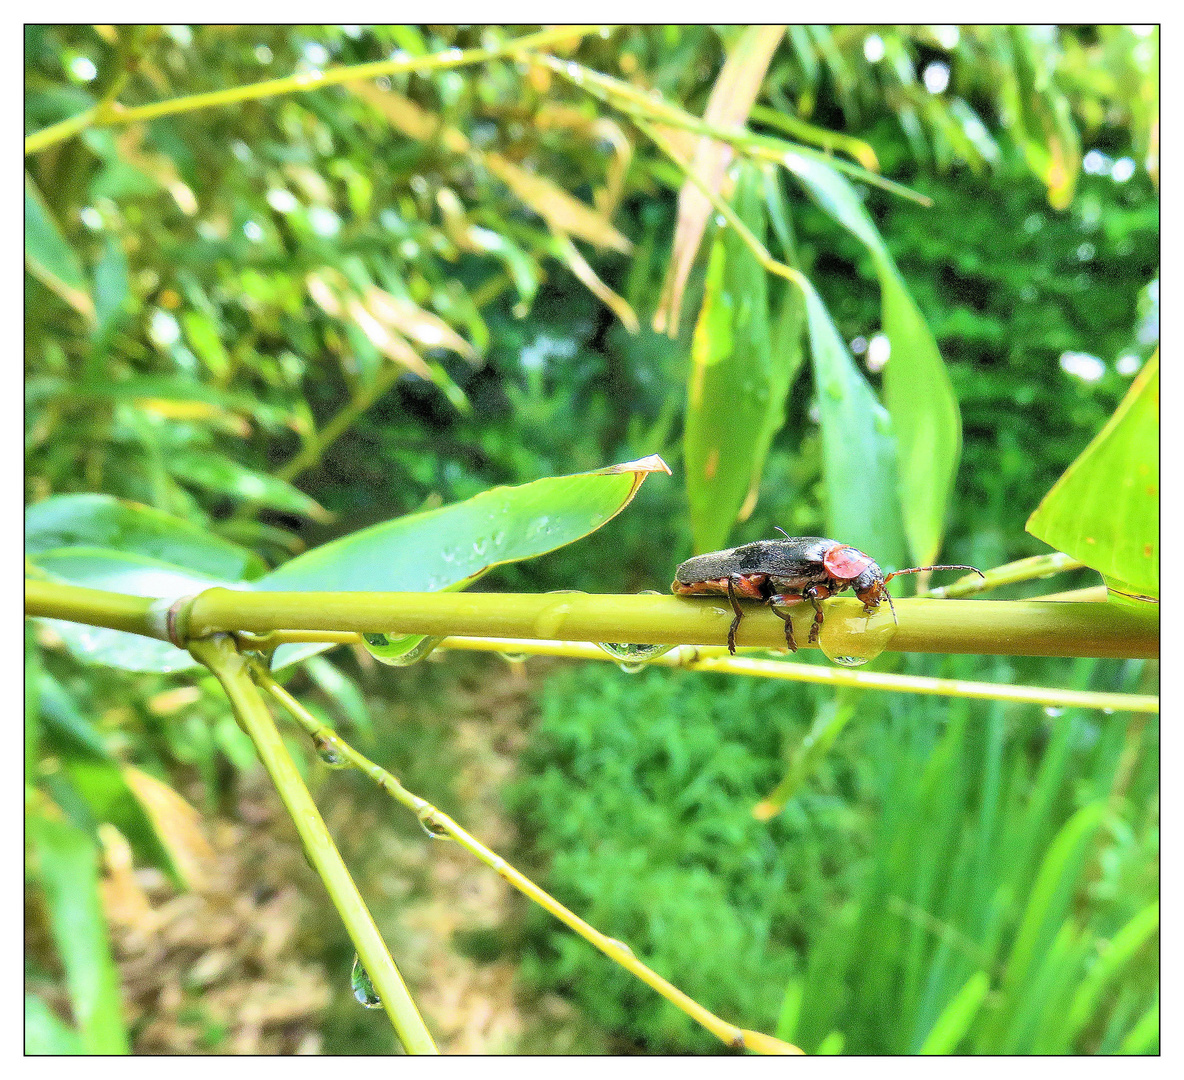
(298, 83)
(440, 824)
(231, 670)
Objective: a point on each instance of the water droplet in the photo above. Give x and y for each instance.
(622, 946)
(633, 657)
(1108, 712)
(1053, 711)
(550, 619)
(327, 751)
(514, 657)
(399, 650)
(429, 818)
(363, 988)
(850, 637)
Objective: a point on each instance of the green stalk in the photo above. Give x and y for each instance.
(1038, 566)
(440, 824)
(716, 658)
(292, 84)
(95, 607)
(984, 627)
(638, 104)
(231, 670)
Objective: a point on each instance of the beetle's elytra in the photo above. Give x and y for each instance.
(782, 573)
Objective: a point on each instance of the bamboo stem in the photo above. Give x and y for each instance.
(232, 671)
(984, 627)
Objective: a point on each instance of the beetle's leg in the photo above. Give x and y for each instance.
(736, 621)
(812, 594)
(778, 601)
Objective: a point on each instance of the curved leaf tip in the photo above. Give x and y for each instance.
(650, 464)
(640, 470)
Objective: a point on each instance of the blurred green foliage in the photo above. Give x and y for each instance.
(288, 318)
(926, 848)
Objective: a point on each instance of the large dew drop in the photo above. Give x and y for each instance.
(432, 825)
(632, 657)
(363, 988)
(328, 753)
(851, 638)
(399, 650)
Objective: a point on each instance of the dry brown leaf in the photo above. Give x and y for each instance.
(583, 270)
(419, 325)
(389, 342)
(731, 99)
(177, 824)
(546, 198)
(124, 900)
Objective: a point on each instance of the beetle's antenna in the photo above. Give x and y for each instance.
(918, 569)
(783, 532)
(891, 605)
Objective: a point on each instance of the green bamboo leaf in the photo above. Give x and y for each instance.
(103, 521)
(451, 547)
(50, 259)
(832, 716)
(202, 334)
(112, 293)
(224, 476)
(956, 1018)
(917, 388)
(455, 545)
(1143, 1038)
(45, 1033)
(67, 870)
(343, 690)
(64, 723)
(730, 387)
(858, 448)
(1104, 510)
(100, 784)
(32, 704)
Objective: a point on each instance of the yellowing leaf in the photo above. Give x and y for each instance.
(732, 97)
(583, 270)
(177, 825)
(389, 342)
(410, 319)
(556, 207)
